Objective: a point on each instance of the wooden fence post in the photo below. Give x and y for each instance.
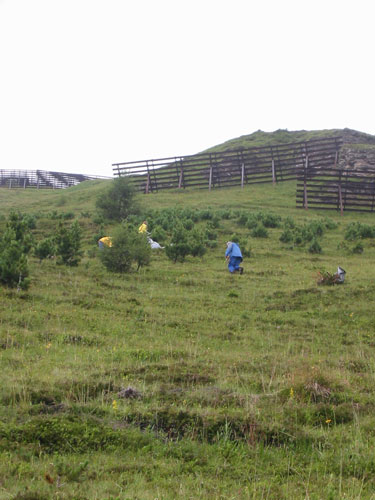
(210, 176)
(340, 196)
(273, 172)
(181, 178)
(148, 179)
(148, 183)
(305, 205)
(10, 183)
(242, 175)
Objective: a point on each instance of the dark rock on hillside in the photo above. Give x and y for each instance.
(129, 393)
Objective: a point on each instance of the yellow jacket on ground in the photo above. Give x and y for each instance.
(106, 240)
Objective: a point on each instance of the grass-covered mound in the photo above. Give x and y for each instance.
(181, 380)
(282, 136)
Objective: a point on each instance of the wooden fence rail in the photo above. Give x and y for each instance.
(336, 189)
(230, 168)
(42, 179)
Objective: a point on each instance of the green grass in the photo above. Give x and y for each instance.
(253, 386)
(281, 136)
(262, 139)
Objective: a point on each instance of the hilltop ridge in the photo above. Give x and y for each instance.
(284, 136)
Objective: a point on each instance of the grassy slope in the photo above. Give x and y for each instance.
(260, 138)
(267, 379)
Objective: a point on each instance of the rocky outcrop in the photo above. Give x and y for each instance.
(357, 151)
(357, 157)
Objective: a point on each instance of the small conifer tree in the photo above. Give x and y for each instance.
(118, 201)
(68, 244)
(128, 247)
(179, 247)
(45, 248)
(20, 225)
(13, 261)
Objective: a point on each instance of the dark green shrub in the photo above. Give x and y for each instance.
(259, 231)
(197, 243)
(53, 215)
(352, 231)
(210, 232)
(185, 213)
(195, 216)
(205, 214)
(245, 250)
(68, 244)
(366, 231)
(45, 248)
(235, 237)
(30, 221)
(307, 234)
(286, 236)
(289, 223)
(224, 214)
(271, 220)
(356, 230)
(297, 237)
(165, 223)
(20, 226)
(141, 251)
(329, 223)
(118, 201)
(251, 222)
(243, 218)
(13, 261)
(242, 243)
(215, 222)
(85, 214)
(317, 228)
(100, 233)
(158, 234)
(179, 247)
(128, 247)
(211, 243)
(98, 219)
(188, 224)
(67, 215)
(136, 220)
(315, 247)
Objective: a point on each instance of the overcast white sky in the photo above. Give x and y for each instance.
(87, 83)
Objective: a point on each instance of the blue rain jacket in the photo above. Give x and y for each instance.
(233, 251)
(235, 257)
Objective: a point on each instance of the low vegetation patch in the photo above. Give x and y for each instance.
(130, 372)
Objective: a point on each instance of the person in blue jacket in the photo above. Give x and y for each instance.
(234, 258)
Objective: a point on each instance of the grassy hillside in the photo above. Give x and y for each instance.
(181, 380)
(260, 138)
